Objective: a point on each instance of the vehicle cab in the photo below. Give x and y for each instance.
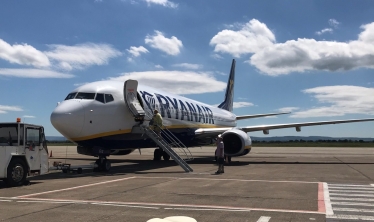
(23, 151)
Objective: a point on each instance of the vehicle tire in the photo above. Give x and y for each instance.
(166, 156)
(80, 170)
(16, 173)
(157, 154)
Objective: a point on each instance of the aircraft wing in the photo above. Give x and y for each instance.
(215, 131)
(258, 115)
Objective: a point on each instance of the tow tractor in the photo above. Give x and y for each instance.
(23, 152)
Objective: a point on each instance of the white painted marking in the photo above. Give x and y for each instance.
(124, 205)
(348, 185)
(178, 205)
(199, 209)
(263, 219)
(239, 180)
(326, 195)
(353, 204)
(71, 188)
(351, 188)
(354, 210)
(352, 199)
(57, 202)
(350, 217)
(6, 200)
(351, 191)
(312, 218)
(351, 195)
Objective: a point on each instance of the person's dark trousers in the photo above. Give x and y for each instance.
(221, 161)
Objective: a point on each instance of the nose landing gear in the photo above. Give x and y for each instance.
(102, 164)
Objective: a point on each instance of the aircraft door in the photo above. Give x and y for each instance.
(130, 93)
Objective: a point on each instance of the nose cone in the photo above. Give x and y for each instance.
(68, 118)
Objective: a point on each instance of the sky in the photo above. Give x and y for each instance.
(314, 59)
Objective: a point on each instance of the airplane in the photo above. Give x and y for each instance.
(99, 117)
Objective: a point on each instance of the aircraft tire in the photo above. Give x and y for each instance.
(98, 168)
(16, 173)
(157, 154)
(106, 165)
(165, 156)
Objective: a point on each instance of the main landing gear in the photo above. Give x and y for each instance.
(158, 153)
(102, 164)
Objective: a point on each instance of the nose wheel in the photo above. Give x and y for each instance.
(102, 165)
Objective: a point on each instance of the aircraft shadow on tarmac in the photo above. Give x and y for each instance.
(143, 166)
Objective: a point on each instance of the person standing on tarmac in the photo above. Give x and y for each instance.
(220, 153)
(157, 122)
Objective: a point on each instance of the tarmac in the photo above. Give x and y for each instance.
(268, 184)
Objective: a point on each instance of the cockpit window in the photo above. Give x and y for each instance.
(108, 98)
(83, 95)
(100, 97)
(71, 96)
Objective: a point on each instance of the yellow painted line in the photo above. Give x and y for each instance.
(124, 131)
(102, 135)
(247, 147)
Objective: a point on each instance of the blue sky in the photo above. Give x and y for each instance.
(314, 58)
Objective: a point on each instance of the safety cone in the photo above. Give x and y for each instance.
(50, 155)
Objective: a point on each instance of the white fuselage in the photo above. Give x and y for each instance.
(82, 119)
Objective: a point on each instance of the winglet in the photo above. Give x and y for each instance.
(227, 104)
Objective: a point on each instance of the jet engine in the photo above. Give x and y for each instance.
(237, 142)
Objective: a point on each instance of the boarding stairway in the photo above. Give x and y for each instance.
(170, 144)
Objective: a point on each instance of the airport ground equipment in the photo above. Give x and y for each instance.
(67, 167)
(23, 152)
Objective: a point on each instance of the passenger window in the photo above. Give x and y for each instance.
(100, 97)
(71, 96)
(83, 95)
(108, 98)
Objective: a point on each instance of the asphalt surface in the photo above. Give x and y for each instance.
(268, 184)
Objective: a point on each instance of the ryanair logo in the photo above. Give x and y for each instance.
(177, 109)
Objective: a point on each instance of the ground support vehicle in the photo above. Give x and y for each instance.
(23, 152)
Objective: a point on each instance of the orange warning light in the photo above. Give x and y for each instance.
(18, 120)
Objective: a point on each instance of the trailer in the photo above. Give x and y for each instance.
(23, 152)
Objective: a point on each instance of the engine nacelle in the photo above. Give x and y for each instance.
(237, 142)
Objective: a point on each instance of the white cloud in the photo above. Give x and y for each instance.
(339, 100)
(216, 56)
(6, 109)
(287, 109)
(27, 116)
(159, 66)
(187, 82)
(23, 55)
(82, 55)
(164, 3)
(242, 104)
(188, 66)
(271, 117)
(136, 51)
(334, 23)
(252, 37)
(170, 46)
(308, 54)
(324, 30)
(34, 73)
